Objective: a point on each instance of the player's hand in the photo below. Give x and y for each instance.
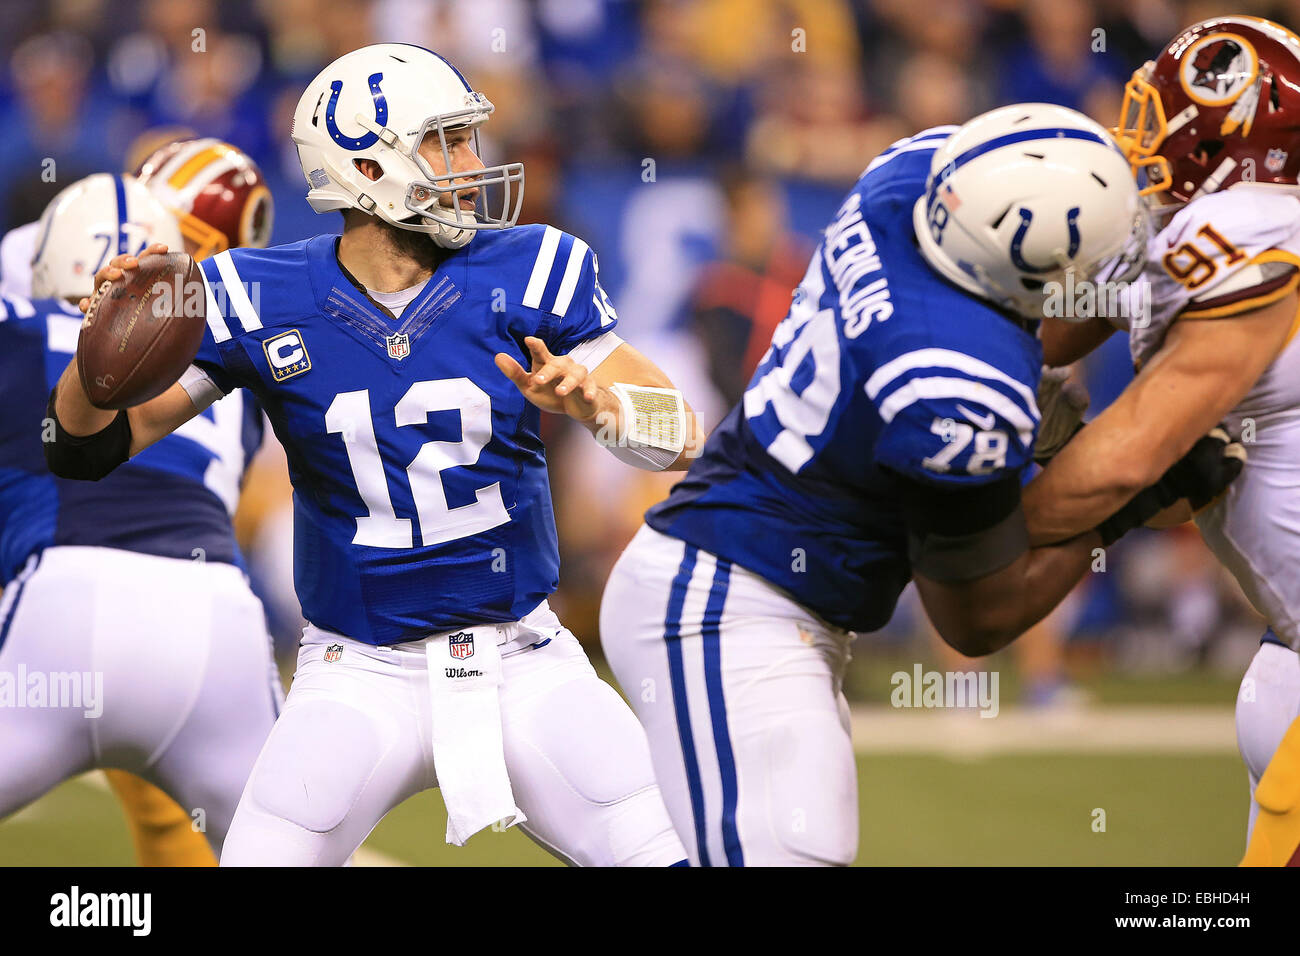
(119, 266)
(1200, 476)
(556, 383)
(1061, 403)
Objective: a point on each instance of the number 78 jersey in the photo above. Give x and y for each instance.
(421, 497)
(881, 372)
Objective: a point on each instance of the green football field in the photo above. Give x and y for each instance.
(1012, 808)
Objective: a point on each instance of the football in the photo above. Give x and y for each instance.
(141, 331)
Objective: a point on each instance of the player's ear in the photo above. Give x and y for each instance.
(369, 168)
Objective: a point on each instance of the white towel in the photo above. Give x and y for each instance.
(468, 753)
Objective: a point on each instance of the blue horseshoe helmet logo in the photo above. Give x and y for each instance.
(1026, 217)
(381, 115)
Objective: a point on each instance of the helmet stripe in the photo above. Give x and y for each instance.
(1024, 136)
(119, 190)
(1010, 139)
(191, 166)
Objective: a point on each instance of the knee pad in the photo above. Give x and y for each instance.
(594, 741)
(811, 788)
(316, 763)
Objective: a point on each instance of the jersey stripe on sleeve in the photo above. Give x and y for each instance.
(542, 268)
(236, 294)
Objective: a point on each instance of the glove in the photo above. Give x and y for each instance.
(1200, 476)
(1061, 405)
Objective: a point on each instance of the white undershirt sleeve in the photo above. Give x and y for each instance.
(201, 389)
(594, 351)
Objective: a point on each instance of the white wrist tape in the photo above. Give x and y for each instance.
(651, 429)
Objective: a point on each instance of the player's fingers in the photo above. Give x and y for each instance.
(83, 305)
(156, 249)
(552, 371)
(537, 348)
(571, 379)
(512, 370)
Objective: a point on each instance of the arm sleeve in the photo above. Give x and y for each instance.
(966, 532)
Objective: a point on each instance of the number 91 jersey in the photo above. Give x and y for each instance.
(421, 498)
(881, 372)
(1223, 255)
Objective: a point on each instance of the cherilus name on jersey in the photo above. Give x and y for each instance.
(53, 689)
(74, 908)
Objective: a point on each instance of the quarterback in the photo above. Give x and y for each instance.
(1212, 127)
(404, 367)
(882, 438)
(135, 583)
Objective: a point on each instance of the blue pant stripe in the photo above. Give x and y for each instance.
(711, 631)
(677, 673)
(17, 584)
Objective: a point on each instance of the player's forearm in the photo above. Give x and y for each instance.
(76, 414)
(1104, 466)
(1064, 343)
(984, 615)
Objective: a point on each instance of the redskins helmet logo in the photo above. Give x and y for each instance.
(1218, 68)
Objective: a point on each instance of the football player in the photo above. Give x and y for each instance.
(882, 438)
(1212, 128)
(404, 367)
(127, 593)
(220, 200)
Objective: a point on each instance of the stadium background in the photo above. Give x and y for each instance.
(699, 146)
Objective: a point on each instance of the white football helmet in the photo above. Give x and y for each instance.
(90, 222)
(1024, 195)
(378, 103)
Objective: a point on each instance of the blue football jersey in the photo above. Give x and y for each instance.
(175, 499)
(421, 497)
(880, 364)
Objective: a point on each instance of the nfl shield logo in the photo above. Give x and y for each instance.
(399, 346)
(333, 652)
(461, 645)
(1275, 160)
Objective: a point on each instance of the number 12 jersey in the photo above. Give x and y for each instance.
(421, 497)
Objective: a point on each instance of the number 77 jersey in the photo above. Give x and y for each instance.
(882, 376)
(421, 498)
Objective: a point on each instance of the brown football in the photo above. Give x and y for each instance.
(142, 331)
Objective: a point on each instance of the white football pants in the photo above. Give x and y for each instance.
(1267, 703)
(353, 742)
(158, 666)
(739, 690)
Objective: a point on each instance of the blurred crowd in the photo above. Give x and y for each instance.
(697, 145)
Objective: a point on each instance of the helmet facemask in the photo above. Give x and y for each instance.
(452, 226)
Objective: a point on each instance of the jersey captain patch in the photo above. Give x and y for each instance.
(288, 356)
